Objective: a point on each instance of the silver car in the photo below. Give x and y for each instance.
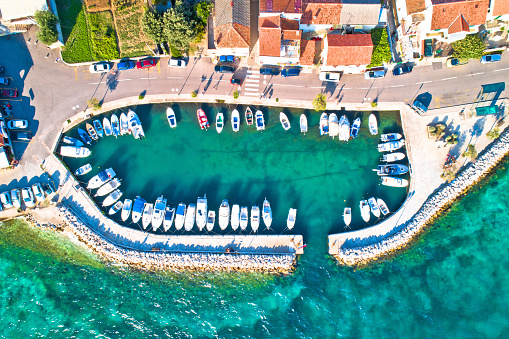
(178, 63)
(374, 74)
(16, 197)
(38, 192)
(6, 199)
(28, 197)
(17, 124)
(101, 67)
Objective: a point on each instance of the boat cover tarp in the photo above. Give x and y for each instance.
(485, 110)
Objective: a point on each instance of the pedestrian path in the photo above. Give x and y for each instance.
(252, 83)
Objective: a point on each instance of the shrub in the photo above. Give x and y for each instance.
(103, 37)
(94, 104)
(203, 10)
(320, 102)
(47, 22)
(141, 96)
(152, 25)
(471, 47)
(470, 152)
(193, 94)
(494, 133)
(448, 175)
(374, 103)
(235, 94)
(381, 48)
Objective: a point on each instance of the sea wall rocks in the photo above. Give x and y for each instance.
(433, 205)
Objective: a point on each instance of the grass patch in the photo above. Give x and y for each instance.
(78, 47)
(102, 32)
(131, 39)
(68, 11)
(381, 49)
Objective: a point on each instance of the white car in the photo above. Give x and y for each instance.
(16, 197)
(100, 67)
(329, 76)
(6, 199)
(179, 63)
(38, 192)
(28, 197)
(17, 124)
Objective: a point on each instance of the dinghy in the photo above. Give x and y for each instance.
(202, 119)
(373, 124)
(219, 122)
(107, 127)
(284, 121)
(172, 119)
(324, 124)
(115, 208)
(303, 124)
(347, 216)
(394, 182)
(115, 127)
(260, 122)
(98, 128)
(292, 216)
(126, 209)
(235, 120)
(249, 116)
(83, 169)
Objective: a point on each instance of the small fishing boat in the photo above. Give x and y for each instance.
(83, 169)
(382, 206)
(98, 128)
(190, 214)
(211, 220)
(201, 212)
(333, 125)
(159, 210)
(91, 131)
(249, 116)
(124, 124)
(373, 124)
(202, 119)
(112, 198)
(115, 208)
(219, 122)
(72, 141)
(260, 122)
(390, 137)
(138, 205)
(324, 124)
(267, 213)
(303, 124)
(392, 157)
(108, 187)
(115, 127)
(180, 216)
(284, 121)
(255, 218)
(374, 207)
(126, 209)
(101, 178)
(169, 215)
(394, 169)
(235, 120)
(344, 129)
(394, 182)
(74, 152)
(146, 218)
(292, 216)
(391, 146)
(84, 136)
(135, 125)
(172, 119)
(347, 216)
(356, 126)
(244, 217)
(107, 127)
(224, 214)
(235, 216)
(364, 205)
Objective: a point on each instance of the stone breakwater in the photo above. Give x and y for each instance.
(433, 205)
(276, 264)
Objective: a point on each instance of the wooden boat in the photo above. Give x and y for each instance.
(219, 122)
(284, 121)
(172, 119)
(324, 124)
(202, 119)
(126, 209)
(115, 126)
(373, 124)
(84, 136)
(115, 208)
(98, 128)
(292, 216)
(83, 169)
(394, 182)
(72, 141)
(91, 131)
(260, 122)
(249, 116)
(382, 206)
(107, 127)
(303, 124)
(347, 216)
(392, 157)
(211, 219)
(74, 152)
(235, 120)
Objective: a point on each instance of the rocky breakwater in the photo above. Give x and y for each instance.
(157, 260)
(438, 201)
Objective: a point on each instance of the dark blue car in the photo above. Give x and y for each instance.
(125, 64)
(290, 72)
(269, 71)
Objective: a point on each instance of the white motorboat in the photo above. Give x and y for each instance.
(394, 182)
(333, 125)
(224, 214)
(391, 146)
(374, 207)
(255, 218)
(112, 198)
(364, 205)
(201, 212)
(115, 208)
(390, 137)
(373, 124)
(107, 127)
(71, 141)
(211, 220)
(83, 169)
(190, 215)
(382, 206)
(74, 151)
(344, 128)
(124, 124)
(393, 169)
(292, 216)
(180, 216)
(244, 217)
(101, 178)
(235, 217)
(115, 126)
(219, 122)
(172, 119)
(169, 215)
(356, 126)
(138, 205)
(159, 210)
(324, 124)
(98, 128)
(284, 121)
(235, 120)
(108, 187)
(260, 122)
(303, 124)
(267, 213)
(135, 125)
(392, 157)
(347, 216)
(146, 218)
(126, 209)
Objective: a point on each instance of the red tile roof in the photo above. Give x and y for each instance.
(445, 12)
(349, 49)
(415, 6)
(459, 25)
(290, 29)
(307, 52)
(270, 36)
(232, 36)
(278, 6)
(501, 7)
(321, 13)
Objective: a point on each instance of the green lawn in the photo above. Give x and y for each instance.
(68, 11)
(78, 46)
(381, 49)
(102, 32)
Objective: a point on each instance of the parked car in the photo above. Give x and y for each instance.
(38, 192)
(227, 58)
(224, 69)
(265, 70)
(453, 62)
(146, 63)
(401, 70)
(4, 81)
(9, 93)
(236, 81)
(6, 200)
(419, 107)
(491, 58)
(21, 136)
(17, 124)
(28, 197)
(125, 65)
(100, 67)
(178, 63)
(374, 74)
(290, 72)
(48, 189)
(16, 197)
(329, 76)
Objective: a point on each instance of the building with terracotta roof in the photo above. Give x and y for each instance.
(232, 27)
(347, 53)
(279, 40)
(499, 10)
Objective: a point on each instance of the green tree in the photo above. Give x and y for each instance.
(235, 94)
(470, 152)
(320, 102)
(94, 103)
(381, 49)
(203, 10)
(448, 175)
(471, 47)
(47, 22)
(179, 26)
(493, 134)
(152, 25)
